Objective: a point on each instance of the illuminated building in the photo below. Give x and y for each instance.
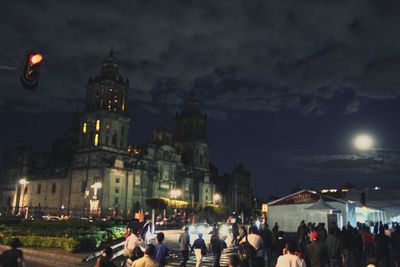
(92, 169)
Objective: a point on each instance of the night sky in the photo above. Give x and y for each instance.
(287, 85)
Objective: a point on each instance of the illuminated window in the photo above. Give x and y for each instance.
(108, 125)
(137, 180)
(84, 127)
(96, 139)
(98, 125)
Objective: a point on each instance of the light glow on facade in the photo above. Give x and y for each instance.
(96, 139)
(97, 125)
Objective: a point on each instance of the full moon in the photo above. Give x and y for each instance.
(363, 142)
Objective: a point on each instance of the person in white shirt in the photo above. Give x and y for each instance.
(289, 259)
(131, 242)
(254, 239)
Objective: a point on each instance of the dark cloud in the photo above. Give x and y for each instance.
(242, 56)
(383, 163)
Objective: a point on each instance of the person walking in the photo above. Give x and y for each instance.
(382, 248)
(255, 241)
(302, 235)
(217, 245)
(235, 233)
(266, 236)
(162, 251)
(130, 244)
(289, 258)
(200, 249)
(184, 246)
(105, 259)
(146, 260)
(335, 249)
(316, 254)
(275, 230)
(356, 246)
(14, 256)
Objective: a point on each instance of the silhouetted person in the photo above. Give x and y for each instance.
(184, 246)
(105, 259)
(217, 245)
(382, 248)
(335, 249)
(12, 257)
(316, 254)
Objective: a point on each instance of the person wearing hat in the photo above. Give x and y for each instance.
(146, 260)
(12, 257)
(316, 253)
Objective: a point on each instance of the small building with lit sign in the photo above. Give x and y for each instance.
(309, 206)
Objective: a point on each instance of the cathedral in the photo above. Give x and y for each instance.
(93, 170)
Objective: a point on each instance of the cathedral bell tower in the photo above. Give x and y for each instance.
(191, 134)
(104, 123)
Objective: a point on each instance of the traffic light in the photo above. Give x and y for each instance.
(31, 70)
(363, 198)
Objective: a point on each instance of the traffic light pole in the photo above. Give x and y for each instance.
(10, 68)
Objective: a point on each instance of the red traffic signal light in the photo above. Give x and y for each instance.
(35, 59)
(31, 70)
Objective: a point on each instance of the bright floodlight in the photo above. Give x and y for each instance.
(363, 142)
(23, 181)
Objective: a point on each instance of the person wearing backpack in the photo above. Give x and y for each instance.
(246, 252)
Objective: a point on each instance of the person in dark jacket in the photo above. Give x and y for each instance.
(217, 245)
(335, 249)
(316, 254)
(200, 249)
(235, 233)
(382, 248)
(12, 257)
(356, 246)
(279, 244)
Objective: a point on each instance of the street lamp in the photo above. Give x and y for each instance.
(217, 198)
(175, 193)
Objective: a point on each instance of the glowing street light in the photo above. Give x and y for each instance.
(23, 182)
(217, 198)
(175, 193)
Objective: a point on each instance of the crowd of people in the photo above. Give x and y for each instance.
(317, 246)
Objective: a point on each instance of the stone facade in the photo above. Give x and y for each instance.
(92, 169)
(236, 189)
